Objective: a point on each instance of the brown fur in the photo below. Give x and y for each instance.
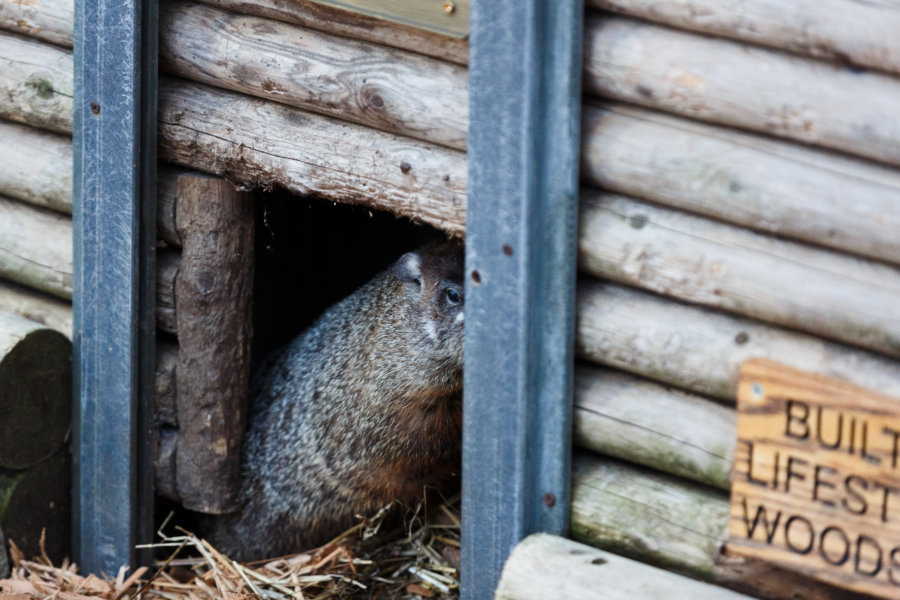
(362, 409)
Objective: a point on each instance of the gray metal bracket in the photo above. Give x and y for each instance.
(114, 220)
(524, 136)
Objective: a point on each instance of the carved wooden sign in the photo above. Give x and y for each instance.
(816, 482)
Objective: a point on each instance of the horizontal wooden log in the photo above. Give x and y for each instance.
(709, 263)
(48, 20)
(35, 306)
(646, 423)
(650, 517)
(674, 524)
(749, 180)
(391, 90)
(743, 86)
(847, 31)
(214, 292)
(37, 166)
(260, 143)
(316, 15)
(167, 264)
(36, 83)
(36, 248)
(36, 499)
(701, 351)
(547, 566)
(36, 384)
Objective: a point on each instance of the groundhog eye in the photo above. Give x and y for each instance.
(453, 297)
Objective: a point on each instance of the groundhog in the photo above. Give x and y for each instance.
(362, 409)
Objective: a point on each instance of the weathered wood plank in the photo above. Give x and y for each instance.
(167, 264)
(166, 202)
(35, 392)
(36, 247)
(674, 524)
(260, 143)
(36, 83)
(35, 306)
(353, 25)
(547, 566)
(651, 517)
(48, 20)
(749, 180)
(699, 350)
(37, 166)
(387, 89)
(847, 31)
(646, 423)
(214, 291)
(723, 82)
(709, 263)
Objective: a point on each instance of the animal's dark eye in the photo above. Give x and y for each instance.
(453, 297)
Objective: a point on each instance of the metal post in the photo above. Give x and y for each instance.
(524, 135)
(114, 220)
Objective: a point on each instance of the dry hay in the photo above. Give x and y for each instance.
(364, 562)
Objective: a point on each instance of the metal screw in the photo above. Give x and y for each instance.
(449, 7)
(549, 499)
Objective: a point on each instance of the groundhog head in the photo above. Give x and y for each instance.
(433, 279)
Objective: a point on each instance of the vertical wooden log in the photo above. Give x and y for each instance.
(214, 291)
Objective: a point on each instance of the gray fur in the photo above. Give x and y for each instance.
(362, 409)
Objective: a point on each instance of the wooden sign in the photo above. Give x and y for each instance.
(816, 482)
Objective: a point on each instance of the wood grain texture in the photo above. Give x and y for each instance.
(633, 419)
(749, 180)
(815, 478)
(676, 525)
(725, 82)
(36, 248)
(214, 291)
(37, 307)
(259, 144)
(387, 89)
(35, 392)
(724, 267)
(37, 166)
(353, 25)
(546, 566)
(165, 421)
(36, 83)
(48, 20)
(650, 517)
(701, 351)
(846, 31)
(166, 202)
(168, 262)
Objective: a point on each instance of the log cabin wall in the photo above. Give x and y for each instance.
(741, 199)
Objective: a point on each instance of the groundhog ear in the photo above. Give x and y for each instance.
(409, 268)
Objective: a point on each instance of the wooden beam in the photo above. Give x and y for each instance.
(48, 20)
(391, 90)
(37, 166)
(259, 144)
(700, 350)
(729, 268)
(743, 86)
(36, 306)
(546, 566)
(845, 31)
(756, 182)
(36, 248)
(643, 422)
(314, 15)
(35, 83)
(214, 291)
(673, 524)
